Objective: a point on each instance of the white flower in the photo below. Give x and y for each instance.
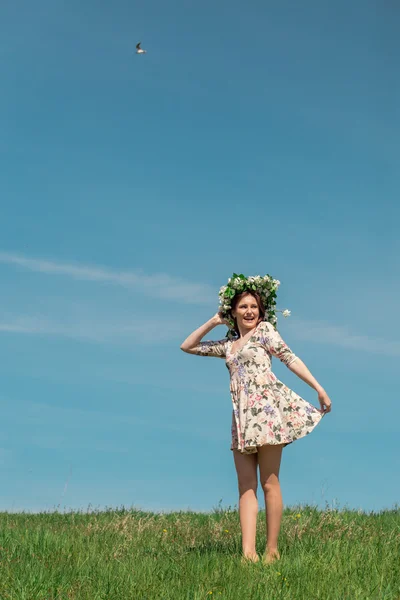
(236, 283)
(222, 289)
(286, 313)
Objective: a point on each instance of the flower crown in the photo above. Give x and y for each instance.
(265, 286)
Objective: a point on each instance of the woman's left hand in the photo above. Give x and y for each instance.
(325, 402)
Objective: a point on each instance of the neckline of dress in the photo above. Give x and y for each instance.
(246, 342)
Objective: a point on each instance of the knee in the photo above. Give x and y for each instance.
(271, 485)
(247, 483)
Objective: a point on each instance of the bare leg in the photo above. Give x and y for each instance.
(246, 468)
(269, 460)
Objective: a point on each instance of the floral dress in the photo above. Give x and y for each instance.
(265, 410)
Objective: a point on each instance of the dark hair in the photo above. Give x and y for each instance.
(236, 300)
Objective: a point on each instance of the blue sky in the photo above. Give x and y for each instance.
(255, 138)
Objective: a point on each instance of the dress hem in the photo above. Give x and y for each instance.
(254, 449)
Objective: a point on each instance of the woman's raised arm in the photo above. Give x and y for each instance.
(192, 341)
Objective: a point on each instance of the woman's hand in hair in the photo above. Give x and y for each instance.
(220, 320)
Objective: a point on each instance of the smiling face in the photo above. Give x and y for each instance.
(247, 313)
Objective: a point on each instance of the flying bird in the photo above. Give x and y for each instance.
(139, 50)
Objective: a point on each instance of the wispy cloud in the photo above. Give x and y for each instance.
(159, 285)
(161, 330)
(96, 331)
(339, 335)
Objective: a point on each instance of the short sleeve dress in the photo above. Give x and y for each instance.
(265, 410)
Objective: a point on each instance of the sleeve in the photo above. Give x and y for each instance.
(274, 344)
(210, 348)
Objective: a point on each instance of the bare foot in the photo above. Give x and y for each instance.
(250, 557)
(270, 556)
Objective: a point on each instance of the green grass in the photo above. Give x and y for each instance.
(116, 554)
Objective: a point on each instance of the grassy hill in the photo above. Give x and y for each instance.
(120, 554)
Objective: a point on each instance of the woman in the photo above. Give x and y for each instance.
(267, 415)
